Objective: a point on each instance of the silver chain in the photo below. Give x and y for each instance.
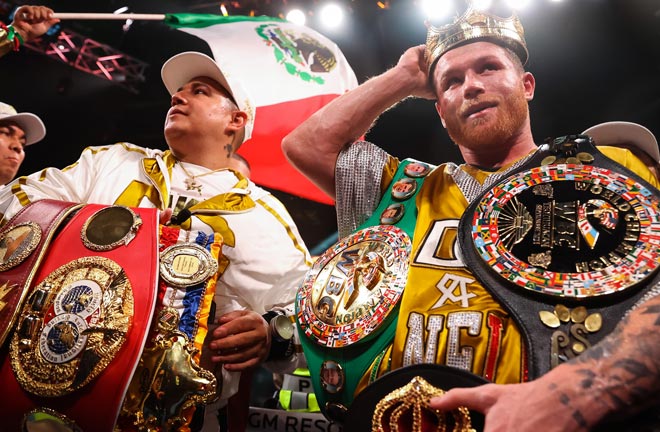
(470, 187)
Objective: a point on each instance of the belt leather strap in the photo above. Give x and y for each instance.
(45, 216)
(95, 406)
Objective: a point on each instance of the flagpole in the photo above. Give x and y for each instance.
(108, 16)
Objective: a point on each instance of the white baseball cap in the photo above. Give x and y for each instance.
(32, 125)
(616, 132)
(183, 67)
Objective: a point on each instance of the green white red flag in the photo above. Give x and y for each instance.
(289, 72)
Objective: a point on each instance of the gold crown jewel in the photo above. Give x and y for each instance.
(472, 26)
(406, 410)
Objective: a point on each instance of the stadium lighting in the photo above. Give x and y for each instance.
(332, 15)
(517, 4)
(481, 4)
(434, 9)
(296, 16)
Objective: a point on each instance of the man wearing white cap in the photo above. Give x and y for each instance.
(17, 130)
(263, 257)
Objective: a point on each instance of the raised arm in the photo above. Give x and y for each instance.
(612, 380)
(313, 147)
(33, 21)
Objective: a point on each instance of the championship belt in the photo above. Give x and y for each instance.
(23, 242)
(567, 244)
(347, 305)
(81, 329)
(169, 382)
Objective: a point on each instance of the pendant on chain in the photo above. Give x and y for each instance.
(191, 184)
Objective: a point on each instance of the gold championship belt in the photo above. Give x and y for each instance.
(348, 298)
(169, 382)
(567, 244)
(84, 333)
(347, 305)
(353, 287)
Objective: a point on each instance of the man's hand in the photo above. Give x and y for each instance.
(514, 407)
(241, 341)
(165, 216)
(33, 21)
(413, 63)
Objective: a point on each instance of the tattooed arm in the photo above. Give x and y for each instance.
(614, 379)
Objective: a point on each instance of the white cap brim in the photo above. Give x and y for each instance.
(34, 128)
(183, 67)
(617, 132)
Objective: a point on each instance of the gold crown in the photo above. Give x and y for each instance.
(406, 410)
(472, 26)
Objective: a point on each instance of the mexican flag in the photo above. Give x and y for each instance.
(289, 72)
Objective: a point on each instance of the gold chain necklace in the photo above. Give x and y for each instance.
(191, 180)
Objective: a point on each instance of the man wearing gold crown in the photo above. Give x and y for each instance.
(473, 68)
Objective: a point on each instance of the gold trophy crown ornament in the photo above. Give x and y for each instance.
(472, 26)
(406, 409)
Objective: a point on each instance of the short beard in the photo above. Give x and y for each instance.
(512, 114)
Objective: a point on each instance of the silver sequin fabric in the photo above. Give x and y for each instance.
(358, 174)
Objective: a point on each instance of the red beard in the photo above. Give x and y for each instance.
(485, 132)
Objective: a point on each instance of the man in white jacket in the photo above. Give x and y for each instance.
(263, 256)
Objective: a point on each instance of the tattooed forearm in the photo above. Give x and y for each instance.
(580, 420)
(617, 378)
(623, 370)
(654, 310)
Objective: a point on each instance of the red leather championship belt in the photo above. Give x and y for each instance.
(84, 318)
(23, 242)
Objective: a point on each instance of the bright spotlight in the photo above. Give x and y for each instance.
(296, 16)
(332, 15)
(481, 4)
(517, 4)
(435, 9)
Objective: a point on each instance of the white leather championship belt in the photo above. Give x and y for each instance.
(87, 301)
(567, 244)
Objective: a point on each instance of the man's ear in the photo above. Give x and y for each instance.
(238, 120)
(437, 108)
(529, 82)
(236, 127)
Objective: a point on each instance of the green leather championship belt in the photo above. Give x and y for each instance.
(347, 305)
